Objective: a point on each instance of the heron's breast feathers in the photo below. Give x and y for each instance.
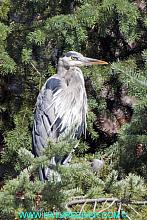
(60, 110)
(71, 107)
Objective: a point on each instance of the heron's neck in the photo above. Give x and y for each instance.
(61, 69)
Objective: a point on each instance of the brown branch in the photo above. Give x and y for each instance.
(94, 206)
(119, 209)
(38, 73)
(83, 207)
(35, 68)
(101, 200)
(133, 209)
(108, 206)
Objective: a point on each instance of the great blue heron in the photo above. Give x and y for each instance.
(61, 106)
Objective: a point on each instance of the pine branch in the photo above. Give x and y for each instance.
(101, 200)
(133, 75)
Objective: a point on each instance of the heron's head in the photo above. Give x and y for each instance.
(76, 59)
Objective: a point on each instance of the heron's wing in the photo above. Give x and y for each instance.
(44, 115)
(60, 111)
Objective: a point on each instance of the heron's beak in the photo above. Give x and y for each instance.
(91, 61)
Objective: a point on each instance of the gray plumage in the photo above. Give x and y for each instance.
(61, 105)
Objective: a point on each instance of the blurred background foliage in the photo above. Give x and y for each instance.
(33, 35)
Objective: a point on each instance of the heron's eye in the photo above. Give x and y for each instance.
(74, 58)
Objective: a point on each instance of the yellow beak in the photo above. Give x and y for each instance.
(94, 61)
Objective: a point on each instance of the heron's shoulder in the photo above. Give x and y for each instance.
(48, 89)
(52, 78)
(49, 84)
(53, 82)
